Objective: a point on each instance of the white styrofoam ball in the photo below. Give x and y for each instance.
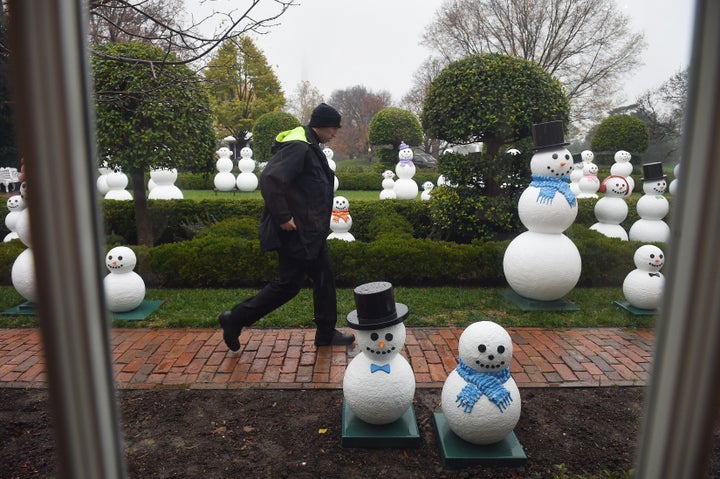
(545, 217)
(123, 292)
(541, 266)
(22, 227)
(23, 275)
(649, 231)
(224, 181)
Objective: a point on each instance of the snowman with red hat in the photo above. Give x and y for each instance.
(379, 383)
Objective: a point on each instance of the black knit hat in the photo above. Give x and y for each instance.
(325, 116)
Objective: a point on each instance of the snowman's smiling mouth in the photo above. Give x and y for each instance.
(484, 365)
(119, 266)
(380, 351)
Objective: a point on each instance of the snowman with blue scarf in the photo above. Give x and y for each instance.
(379, 383)
(542, 263)
(480, 400)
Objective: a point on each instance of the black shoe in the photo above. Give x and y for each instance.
(337, 339)
(231, 331)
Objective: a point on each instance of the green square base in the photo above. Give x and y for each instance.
(636, 311)
(458, 453)
(147, 307)
(527, 304)
(403, 433)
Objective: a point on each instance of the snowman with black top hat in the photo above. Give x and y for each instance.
(542, 263)
(652, 207)
(379, 383)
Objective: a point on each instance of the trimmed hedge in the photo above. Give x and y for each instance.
(213, 244)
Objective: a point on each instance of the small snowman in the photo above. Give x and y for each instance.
(340, 220)
(164, 180)
(611, 209)
(333, 166)
(542, 263)
(673, 188)
(101, 182)
(124, 288)
(117, 181)
(15, 204)
(388, 184)
(576, 174)
(23, 268)
(589, 183)
(427, 188)
(651, 207)
(224, 180)
(405, 187)
(246, 180)
(643, 287)
(480, 399)
(623, 167)
(379, 383)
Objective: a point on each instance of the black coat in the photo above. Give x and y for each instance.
(297, 182)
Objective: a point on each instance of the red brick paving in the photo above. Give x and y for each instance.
(288, 358)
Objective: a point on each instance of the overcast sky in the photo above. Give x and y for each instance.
(336, 44)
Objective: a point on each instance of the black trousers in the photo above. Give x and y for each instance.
(293, 273)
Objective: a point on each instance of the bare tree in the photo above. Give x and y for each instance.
(586, 44)
(358, 106)
(164, 24)
(302, 102)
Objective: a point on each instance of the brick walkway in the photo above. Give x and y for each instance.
(287, 358)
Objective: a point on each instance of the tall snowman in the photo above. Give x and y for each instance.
(612, 209)
(588, 184)
(116, 182)
(480, 399)
(643, 287)
(379, 383)
(340, 220)
(576, 174)
(246, 180)
(542, 263)
(23, 269)
(333, 166)
(652, 207)
(124, 288)
(623, 167)
(405, 187)
(224, 179)
(101, 181)
(673, 188)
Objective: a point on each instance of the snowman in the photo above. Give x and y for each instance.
(542, 263)
(23, 268)
(246, 180)
(224, 180)
(379, 383)
(15, 204)
(623, 167)
(340, 220)
(124, 288)
(101, 182)
(479, 399)
(388, 184)
(427, 188)
(576, 174)
(643, 286)
(164, 189)
(589, 183)
(331, 163)
(673, 188)
(405, 187)
(651, 207)
(611, 209)
(117, 181)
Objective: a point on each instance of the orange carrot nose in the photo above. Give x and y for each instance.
(381, 344)
(562, 163)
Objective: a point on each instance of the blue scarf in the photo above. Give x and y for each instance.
(549, 185)
(479, 384)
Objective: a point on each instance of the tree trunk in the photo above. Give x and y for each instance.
(492, 186)
(143, 221)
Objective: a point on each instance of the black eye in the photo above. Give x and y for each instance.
(567, 157)
(110, 257)
(119, 258)
(555, 156)
(374, 336)
(388, 337)
(501, 349)
(661, 256)
(482, 348)
(652, 256)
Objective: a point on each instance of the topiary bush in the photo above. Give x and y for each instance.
(621, 132)
(391, 126)
(266, 128)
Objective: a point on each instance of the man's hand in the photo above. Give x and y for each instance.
(289, 226)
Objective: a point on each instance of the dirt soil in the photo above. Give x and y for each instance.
(297, 434)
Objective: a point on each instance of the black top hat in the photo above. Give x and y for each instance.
(577, 158)
(652, 171)
(548, 135)
(376, 307)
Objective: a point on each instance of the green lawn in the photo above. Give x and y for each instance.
(428, 307)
